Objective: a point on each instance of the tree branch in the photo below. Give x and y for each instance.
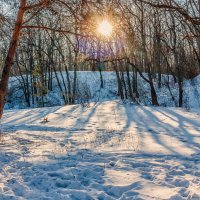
(54, 30)
(43, 3)
(183, 12)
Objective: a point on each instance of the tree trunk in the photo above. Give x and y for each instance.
(180, 88)
(10, 56)
(153, 95)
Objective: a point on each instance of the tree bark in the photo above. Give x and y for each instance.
(10, 55)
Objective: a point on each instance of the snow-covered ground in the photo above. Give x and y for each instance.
(88, 89)
(105, 151)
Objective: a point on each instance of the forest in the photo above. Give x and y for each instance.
(100, 99)
(157, 41)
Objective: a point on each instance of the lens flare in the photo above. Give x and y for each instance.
(105, 28)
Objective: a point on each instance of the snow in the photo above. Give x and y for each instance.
(107, 150)
(88, 86)
(88, 89)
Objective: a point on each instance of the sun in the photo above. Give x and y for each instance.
(105, 28)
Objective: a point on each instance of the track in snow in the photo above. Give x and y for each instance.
(107, 151)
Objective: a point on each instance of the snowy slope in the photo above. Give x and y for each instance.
(106, 151)
(89, 85)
